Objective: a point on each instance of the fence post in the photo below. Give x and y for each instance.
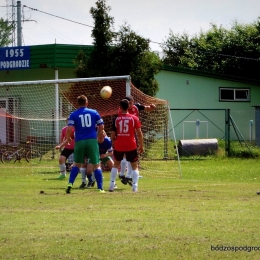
(257, 125)
(227, 132)
(251, 122)
(197, 128)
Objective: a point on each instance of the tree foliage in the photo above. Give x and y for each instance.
(97, 63)
(5, 32)
(233, 52)
(118, 53)
(132, 56)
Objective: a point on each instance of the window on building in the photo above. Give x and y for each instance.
(234, 94)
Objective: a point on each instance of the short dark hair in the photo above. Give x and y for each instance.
(124, 104)
(82, 100)
(129, 98)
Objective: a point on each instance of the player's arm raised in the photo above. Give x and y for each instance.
(149, 108)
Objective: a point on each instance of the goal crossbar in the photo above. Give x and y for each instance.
(57, 81)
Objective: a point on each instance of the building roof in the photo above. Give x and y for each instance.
(210, 74)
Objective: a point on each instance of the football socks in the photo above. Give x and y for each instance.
(99, 178)
(73, 174)
(123, 165)
(63, 169)
(135, 177)
(113, 174)
(83, 174)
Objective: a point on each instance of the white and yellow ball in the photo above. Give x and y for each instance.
(106, 92)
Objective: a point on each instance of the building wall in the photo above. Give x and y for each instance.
(35, 74)
(43, 60)
(194, 91)
(200, 94)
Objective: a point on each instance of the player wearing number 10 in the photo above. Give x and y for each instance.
(124, 142)
(84, 121)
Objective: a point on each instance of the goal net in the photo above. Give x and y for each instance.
(36, 111)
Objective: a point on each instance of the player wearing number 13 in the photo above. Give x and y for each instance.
(84, 121)
(124, 142)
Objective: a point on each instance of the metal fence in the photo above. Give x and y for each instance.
(197, 130)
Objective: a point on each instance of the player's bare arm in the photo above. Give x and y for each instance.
(62, 138)
(150, 108)
(64, 143)
(58, 147)
(113, 137)
(140, 140)
(105, 155)
(100, 129)
(67, 138)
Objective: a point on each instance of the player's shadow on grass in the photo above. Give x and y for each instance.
(55, 179)
(90, 190)
(48, 172)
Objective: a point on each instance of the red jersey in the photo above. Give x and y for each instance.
(63, 137)
(125, 126)
(133, 111)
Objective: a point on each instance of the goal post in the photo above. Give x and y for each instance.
(56, 83)
(36, 111)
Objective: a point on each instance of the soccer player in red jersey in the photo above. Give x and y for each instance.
(133, 109)
(66, 152)
(124, 142)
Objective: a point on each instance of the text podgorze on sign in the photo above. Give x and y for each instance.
(15, 58)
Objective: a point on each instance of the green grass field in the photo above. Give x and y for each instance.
(209, 213)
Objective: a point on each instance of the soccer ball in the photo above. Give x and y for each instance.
(106, 92)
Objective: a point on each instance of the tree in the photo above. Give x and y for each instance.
(131, 55)
(5, 32)
(232, 52)
(143, 74)
(174, 49)
(97, 63)
(82, 65)
(118, 53)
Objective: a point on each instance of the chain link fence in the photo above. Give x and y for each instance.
(216, 132)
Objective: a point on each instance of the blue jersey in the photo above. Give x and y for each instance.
(106, 146)
(84, 121)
